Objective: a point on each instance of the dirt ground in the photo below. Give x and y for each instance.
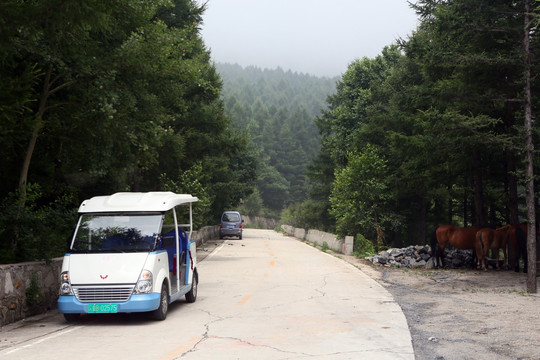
(464, 314)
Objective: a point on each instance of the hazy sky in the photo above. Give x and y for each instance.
(319, 37)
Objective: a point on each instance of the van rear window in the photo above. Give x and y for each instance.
(231, 217)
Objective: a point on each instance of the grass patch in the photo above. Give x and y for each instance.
(325, 247)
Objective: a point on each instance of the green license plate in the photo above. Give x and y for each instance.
(102, 308)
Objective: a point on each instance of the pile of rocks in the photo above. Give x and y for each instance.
(419, 256)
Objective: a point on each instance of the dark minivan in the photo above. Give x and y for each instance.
(231, 224)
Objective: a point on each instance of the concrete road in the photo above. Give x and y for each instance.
(264, 297)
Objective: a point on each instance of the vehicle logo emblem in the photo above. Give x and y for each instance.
(103, 277)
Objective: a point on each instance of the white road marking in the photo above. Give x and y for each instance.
(59, 333)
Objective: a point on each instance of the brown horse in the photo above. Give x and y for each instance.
(517, 240)
(460, 238)
(487, 238)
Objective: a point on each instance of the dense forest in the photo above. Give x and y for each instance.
(123, 96)
(276, 109)
(433, 130)
(99, 97)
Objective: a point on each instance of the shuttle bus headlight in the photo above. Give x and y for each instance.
(65, 286)
(144, 285)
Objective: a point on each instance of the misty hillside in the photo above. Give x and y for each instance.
(277, 110)
(276, 87)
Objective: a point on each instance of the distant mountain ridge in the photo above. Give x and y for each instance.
(277, 86)
(277, 110)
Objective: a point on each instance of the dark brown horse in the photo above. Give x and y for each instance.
(458, 237)
(517, 240)
(486, 239)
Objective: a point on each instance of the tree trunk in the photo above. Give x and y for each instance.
(38, 124)
(513, 212)
(465, 201)
(47, 91)
(480, 217)
(529, 172)
(512, 194)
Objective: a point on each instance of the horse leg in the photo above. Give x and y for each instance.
(513, 248)
(475, 255)
(505, 263)
(485, 254)
(439, 257)
(480, 251)
(517, 256)
(483, 262)
(474, 261)
(487, 244)
(435, 257)
(436, 250)
(496, 250)
(525, 259)
(521, 240)
(523, 252)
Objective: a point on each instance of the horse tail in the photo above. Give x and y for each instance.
(434, 241)
(480, 241)
(479, 250)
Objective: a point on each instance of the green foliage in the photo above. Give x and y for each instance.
(306, 215)
(359, 197)
(276, 109)
(363, 247)
(324, 246)
(100, 97)
(252, 205)
(232, 179)
(190, 182)
(444, 109)
(33, 231)
(274, 188)
(34, 293)
(276, 88)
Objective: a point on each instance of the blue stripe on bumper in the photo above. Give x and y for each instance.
(137, 303)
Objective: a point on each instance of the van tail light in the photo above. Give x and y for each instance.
(221, 226)
(240, 226)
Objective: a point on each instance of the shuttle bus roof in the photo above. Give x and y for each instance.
(136, 202)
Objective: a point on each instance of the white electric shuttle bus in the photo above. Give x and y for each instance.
(130, 252)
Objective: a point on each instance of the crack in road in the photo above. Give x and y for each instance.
(206, 337)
